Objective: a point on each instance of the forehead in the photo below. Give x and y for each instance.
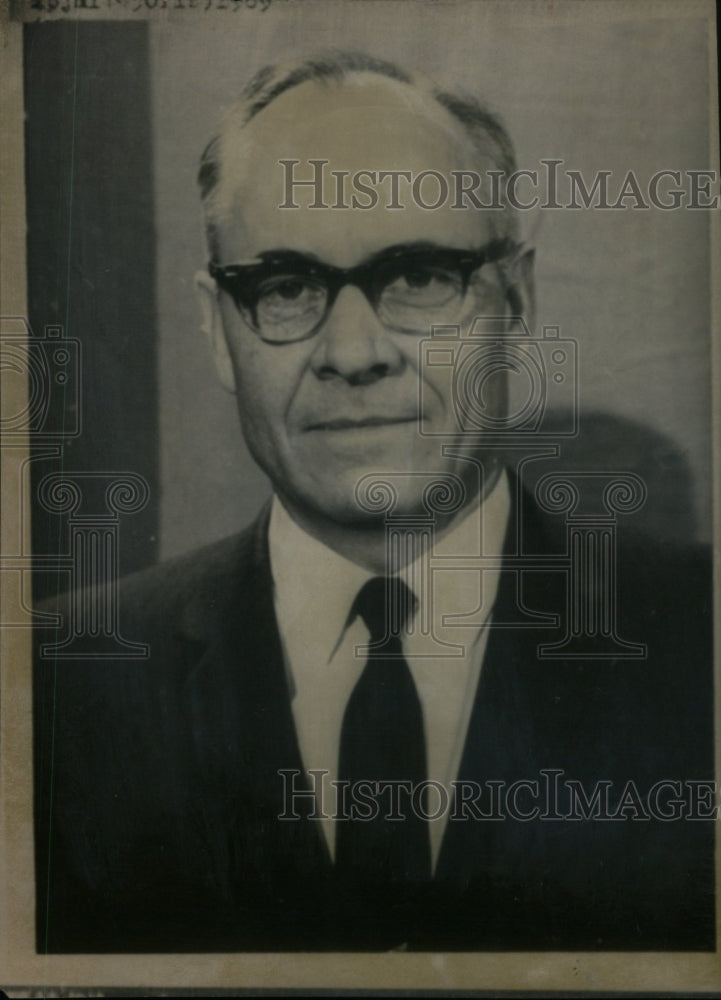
(364, 123)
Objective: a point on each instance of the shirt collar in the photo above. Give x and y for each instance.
(313, 583)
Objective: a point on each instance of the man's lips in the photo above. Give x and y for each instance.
(357, 423)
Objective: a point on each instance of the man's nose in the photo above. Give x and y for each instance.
(353, 344)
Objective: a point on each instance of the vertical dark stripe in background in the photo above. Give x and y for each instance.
(91, 248)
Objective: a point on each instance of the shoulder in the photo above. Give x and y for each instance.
(177, 595)
(201, 578)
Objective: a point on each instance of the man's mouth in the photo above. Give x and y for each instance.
(357, 423)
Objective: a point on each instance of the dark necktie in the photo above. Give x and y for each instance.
(382, 740)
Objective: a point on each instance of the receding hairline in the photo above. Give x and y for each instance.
(482, 127)
(358, 89)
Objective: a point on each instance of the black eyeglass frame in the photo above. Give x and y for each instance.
(241, 281)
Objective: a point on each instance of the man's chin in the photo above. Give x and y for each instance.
(371, 495)
(346, 449)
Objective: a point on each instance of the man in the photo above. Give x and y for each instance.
(269, 777)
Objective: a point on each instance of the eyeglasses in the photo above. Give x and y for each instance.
(285, 296)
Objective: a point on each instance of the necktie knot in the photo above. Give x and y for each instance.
(385, 604)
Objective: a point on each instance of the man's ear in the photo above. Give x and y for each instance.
(212, 327)
(521, 287)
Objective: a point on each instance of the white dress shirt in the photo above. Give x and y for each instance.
(314, 589)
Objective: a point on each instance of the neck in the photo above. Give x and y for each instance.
(365, 542)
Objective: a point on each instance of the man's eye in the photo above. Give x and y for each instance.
(417, 279)
(288, 297)
(289, 290)
(428, 285)
(285, 288)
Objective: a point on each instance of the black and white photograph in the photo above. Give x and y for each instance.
(360, 362)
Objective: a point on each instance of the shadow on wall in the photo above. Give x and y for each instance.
(607, 443)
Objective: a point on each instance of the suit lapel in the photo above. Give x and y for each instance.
(505, 739)
(243, 729)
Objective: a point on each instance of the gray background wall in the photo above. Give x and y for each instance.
(632, 287)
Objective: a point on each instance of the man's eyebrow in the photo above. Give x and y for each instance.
(287, 252)
(396, 249)
(265, 255)
(415, 246)
(387, 253)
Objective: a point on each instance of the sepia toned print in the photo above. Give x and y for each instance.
(366, 448)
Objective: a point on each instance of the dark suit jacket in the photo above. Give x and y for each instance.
(158, 792)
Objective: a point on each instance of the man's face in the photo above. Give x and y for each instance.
(320, 414)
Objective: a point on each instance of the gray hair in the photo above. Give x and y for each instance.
(485, 129)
